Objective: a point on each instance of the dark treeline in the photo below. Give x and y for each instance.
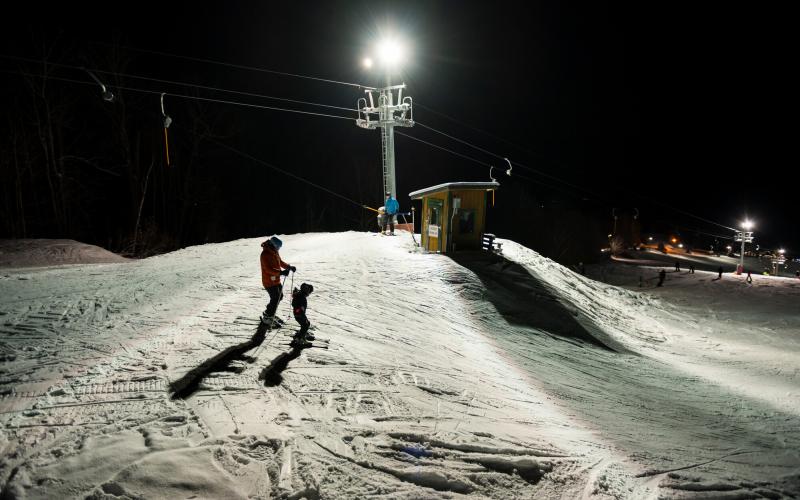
(74, 165)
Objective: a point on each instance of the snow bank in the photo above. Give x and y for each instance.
(44, 252)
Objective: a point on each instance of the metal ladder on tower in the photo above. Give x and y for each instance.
(384, 157)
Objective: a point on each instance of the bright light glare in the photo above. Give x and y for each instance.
(781, 251)
(747, 225)
(367, 62)
(391, 52)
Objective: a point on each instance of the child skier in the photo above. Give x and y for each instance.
(299, 305)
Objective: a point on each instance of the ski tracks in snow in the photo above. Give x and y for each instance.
(425, 390)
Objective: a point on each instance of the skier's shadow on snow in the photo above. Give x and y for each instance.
(522, 299)
(271, 374)
(188, 384)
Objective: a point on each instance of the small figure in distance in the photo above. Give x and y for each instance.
(392, 207)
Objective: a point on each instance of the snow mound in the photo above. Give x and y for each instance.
(431, 377)
(46, 252)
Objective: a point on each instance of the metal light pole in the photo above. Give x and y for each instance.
(745, 236)
(392, 110)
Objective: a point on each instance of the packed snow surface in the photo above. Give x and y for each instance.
(479, 376)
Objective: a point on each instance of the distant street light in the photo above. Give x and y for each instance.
(745, 236)
(779, 259)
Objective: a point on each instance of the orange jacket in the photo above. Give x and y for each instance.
(271, 265)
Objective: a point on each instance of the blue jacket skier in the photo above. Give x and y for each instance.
(391, 207)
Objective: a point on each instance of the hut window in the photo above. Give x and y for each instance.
(466, 221)
(434, 216)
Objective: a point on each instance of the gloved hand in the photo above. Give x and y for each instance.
(285, 272)
(292, 268)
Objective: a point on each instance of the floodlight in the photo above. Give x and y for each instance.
(391, 52)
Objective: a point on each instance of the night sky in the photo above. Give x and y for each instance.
(673, 109)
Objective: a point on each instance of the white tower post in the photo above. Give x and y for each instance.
(390, 112)
(745, 236)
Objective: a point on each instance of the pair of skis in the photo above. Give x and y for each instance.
(295, 343)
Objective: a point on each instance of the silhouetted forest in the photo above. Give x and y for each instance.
(75, 165)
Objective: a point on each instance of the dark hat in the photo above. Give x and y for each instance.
(306, 288)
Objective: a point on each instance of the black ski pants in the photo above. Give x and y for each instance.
(274, 297)
(305, 324)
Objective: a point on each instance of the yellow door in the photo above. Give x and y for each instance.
(433, 219)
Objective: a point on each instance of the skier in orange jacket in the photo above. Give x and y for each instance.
(272, 268)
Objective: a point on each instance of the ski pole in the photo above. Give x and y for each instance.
(282, 285)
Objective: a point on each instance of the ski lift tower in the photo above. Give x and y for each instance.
(777, 261)
(745, 236)
(392, 110)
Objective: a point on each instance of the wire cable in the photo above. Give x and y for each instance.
(443, 149)
(184, 96)
(535, 181)
(337, 116)
(650, 200)
(688, 213)
(171, 82)
(488, 134)
(527, 167)
(238, 66)
(285, 172)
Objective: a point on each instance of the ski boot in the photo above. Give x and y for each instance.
(271, 321)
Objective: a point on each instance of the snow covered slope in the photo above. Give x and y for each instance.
(432, 378)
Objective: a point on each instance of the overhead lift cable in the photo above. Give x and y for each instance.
(348, 118)
(172, 82)
(190, 97)
(240, 66)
